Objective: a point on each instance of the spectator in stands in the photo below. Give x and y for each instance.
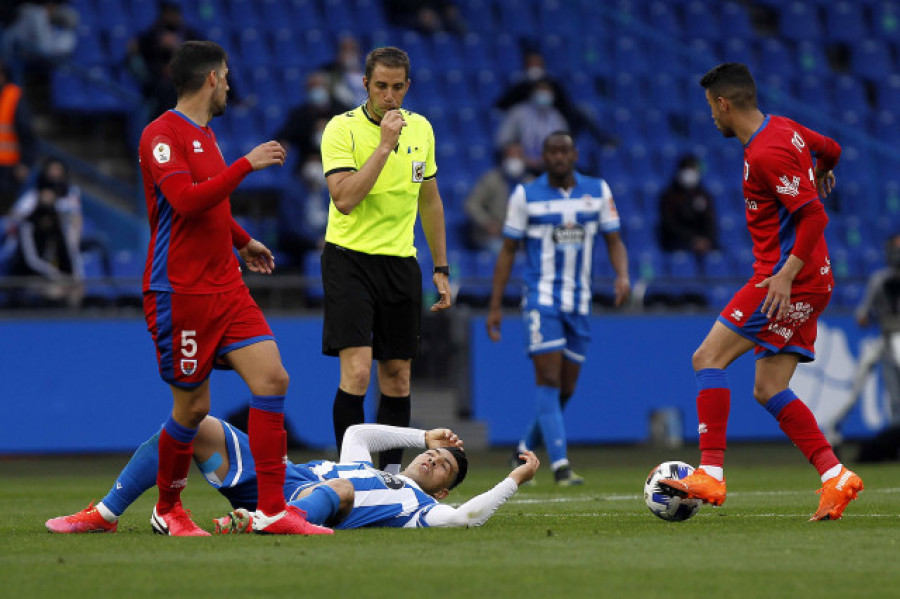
(687, 218)
(529, 123)
(150, 53)
(17, 140)
(486, 204)
(54, 174)
(427, 16)
(303, 214)
(46, 222)
(302, 129)
(534, 71)
(43, 31)
(345, 74)
(881, 306)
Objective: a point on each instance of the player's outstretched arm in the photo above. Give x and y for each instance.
(478, 510)
(502, 270)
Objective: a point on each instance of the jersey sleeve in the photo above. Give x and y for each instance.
(516, 214)
(609, 215)
(474, 512)
(361, 440)
(787, 174)
(164, 154)
(337, 147)
(825, 150)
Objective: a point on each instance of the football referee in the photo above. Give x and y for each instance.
(380, 168)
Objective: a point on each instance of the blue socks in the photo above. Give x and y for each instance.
(320, 505)
(549, 415)
(137, 476)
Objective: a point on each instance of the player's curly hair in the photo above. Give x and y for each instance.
(462, 464)
(192, 62)
(731, 80)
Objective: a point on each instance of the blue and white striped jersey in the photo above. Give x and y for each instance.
(380, 498)
(558, 227)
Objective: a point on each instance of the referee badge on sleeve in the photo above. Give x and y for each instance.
(418, 171)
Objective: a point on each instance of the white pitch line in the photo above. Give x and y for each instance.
(582, 498)
(644, 515)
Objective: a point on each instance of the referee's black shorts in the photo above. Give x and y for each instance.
(371, 300)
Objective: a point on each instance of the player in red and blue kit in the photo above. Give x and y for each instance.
(786, 168)
(198, 309)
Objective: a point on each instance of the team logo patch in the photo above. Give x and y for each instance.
(188, 367)
(569, 235)
(162, 152)
(391, 481)
(198, 147)
(789, 187)
(418, 171)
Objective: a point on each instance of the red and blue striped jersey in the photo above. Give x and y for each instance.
(187, 185)
(779, 179)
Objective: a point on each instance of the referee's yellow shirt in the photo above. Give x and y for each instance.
(383, 222)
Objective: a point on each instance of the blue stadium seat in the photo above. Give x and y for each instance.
(507, 55)
(518, 18)
(629, 56)
(312, 270)
(871, 59)
(716, 265)
(664, 18)
(886, 21)
(734, 21)
(800, 21)
(701, 20)
(810, 58)
(242, 14)
(849, 94)
(447, 51)
(680, 265)
(889, 92)
(477, 53)
(844, 22)
(287, 49)
(738, 50)
(775, 58)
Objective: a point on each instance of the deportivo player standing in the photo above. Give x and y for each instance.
(198, 309)
(786, 168)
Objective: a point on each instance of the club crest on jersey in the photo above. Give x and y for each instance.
(198, 147)
(418, 171)
(188, 367)
(162, 153)
(390, 481)
(798, 141)
(569, 235)
(789, 187)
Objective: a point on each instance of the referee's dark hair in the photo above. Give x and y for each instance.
(192, 62)
(731, 80)
(388, 56)
(462, 464)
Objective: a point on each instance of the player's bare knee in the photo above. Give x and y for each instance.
(355, 379)
(345, 492)
(763, 392)
(278, 380)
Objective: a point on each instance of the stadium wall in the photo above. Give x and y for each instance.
(92, 385)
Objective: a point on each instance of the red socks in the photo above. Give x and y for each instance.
(713, 406)
(799, 424)
(268, 443)
(174, 463)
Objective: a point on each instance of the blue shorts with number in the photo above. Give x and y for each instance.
(548, 330)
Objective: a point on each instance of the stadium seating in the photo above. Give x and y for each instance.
(633, 64)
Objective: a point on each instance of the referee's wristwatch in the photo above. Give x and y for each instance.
(444, 270)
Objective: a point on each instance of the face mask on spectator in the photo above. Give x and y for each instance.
(542, 97)
(313, 174)
(513, 167)
(318, 95)
(689, 177)
(534, 73)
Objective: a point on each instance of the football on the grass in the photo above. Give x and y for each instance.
(673, 509)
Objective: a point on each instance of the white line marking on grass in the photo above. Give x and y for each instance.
(701, 515)
(633, 497)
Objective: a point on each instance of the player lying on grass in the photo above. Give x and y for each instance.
(347, 494)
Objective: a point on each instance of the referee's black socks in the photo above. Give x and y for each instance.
(347, 411)
(394, 411)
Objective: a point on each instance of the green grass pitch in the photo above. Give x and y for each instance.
(598, 540)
